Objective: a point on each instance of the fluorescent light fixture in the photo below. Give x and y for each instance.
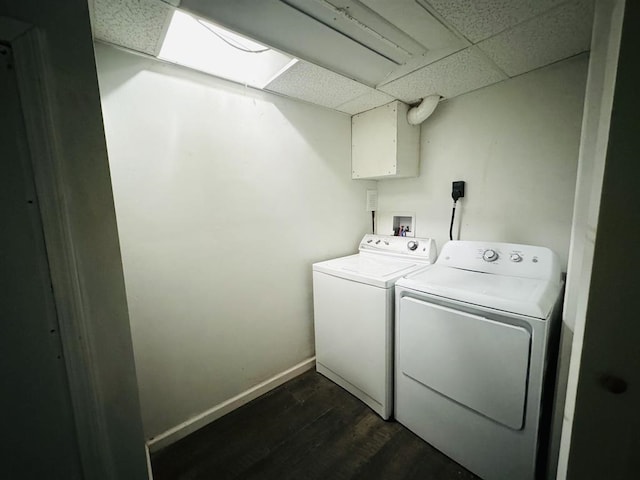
(201, 45)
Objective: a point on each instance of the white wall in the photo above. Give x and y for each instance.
(224, 197)
(515, 144)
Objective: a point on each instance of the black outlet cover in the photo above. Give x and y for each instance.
(457, 190)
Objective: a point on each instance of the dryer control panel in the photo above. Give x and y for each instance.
(413, 247)
(509, 259)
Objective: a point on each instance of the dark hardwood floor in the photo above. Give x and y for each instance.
(309, 428)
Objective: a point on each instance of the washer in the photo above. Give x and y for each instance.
(472, 339)
(353, 300)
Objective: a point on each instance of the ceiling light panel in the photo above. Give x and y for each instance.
(317, 85)
(459, 73)
(480, 19)
(558, 34)
(135, 24)
(201, 45)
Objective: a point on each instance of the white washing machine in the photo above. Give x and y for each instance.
(353, 301)
(472, 339)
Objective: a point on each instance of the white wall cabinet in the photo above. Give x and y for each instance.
(384, 144)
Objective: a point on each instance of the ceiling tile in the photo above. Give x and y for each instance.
(480, 19)
(560, 33)
(420, 61)
(136, 24)
(456, 74)
(368, 101)
(318, 85)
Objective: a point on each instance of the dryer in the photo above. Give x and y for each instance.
(473, 335)
(353, 300)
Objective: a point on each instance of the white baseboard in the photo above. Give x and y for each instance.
(182, 430)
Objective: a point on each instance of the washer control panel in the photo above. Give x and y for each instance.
(423, 248)
(502, 258)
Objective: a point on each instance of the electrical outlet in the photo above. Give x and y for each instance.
(457, 190)
(372, 200)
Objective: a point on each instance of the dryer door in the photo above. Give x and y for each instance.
(476, 362)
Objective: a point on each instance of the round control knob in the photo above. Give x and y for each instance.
(515, 257)
(412, 245)
(490, 255)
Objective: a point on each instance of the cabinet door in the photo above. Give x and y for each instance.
(384, 144)
(374, 143)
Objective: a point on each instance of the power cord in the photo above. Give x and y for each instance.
(230, 41)
(457, 192)
(453, 215)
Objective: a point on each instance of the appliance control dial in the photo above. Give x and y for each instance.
(490, 255)
(412, 245)
(515, 257)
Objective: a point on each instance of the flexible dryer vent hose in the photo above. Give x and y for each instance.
(419, 114)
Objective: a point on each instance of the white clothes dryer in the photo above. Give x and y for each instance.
(472, 341)
(353, 300)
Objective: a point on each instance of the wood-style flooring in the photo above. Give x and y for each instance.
(308, 428)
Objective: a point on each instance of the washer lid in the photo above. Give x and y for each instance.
(378, 270)
(524, 296)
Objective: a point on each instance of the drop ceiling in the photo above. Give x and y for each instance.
(358, 54)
